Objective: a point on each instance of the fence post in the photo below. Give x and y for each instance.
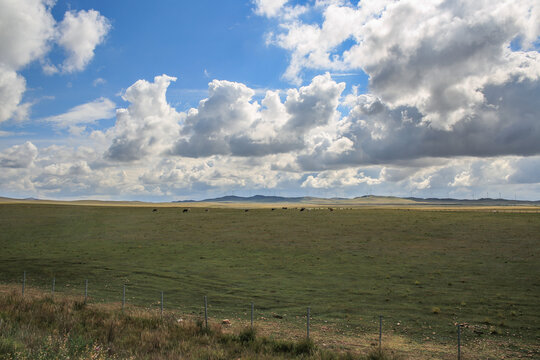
(380, 333)
(308, 316)
(23, 282)
(85, 290)
(459, 341)
(252, 311)
(124, 298)
(162, 304)
(206, 312)
(53, 285)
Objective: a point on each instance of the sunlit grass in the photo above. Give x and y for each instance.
(348, 265)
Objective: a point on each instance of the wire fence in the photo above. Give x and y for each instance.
(161, 303)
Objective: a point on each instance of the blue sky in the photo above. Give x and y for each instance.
(167, 37)
(175, 100)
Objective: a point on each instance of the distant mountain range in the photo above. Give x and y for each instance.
(255, 198)
(363, 200)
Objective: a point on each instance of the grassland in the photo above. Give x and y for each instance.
(423, 270)
(39, 326)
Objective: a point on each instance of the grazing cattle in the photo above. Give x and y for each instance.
(246, 210)
(206, 210)
(284, 208)
(330, 209)
(185, 210)
(154, 210)
(302, 209)
(273, 209)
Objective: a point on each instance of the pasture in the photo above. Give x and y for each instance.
(423, 270)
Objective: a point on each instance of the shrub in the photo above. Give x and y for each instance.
(247, 335)
(304, 347)
(282, 346)
(9, 347)
(380, 355)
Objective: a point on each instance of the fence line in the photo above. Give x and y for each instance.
(308, 317)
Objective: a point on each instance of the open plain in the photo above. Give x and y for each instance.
(423, 269)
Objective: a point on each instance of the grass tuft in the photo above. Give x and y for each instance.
(247, 335)
(381, 355)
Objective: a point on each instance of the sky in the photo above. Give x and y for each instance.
(174, 100)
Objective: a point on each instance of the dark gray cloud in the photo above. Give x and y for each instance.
(228, 122)
(124, 149)
(507, 123)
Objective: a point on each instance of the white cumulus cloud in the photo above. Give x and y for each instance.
(26, 27)
(269, 8)
(79, 33)
(27, 32)
(12, 87)
(148, 126)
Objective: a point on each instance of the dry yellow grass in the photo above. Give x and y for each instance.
(324, 336)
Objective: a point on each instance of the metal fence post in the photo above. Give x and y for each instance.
(308, 316)
(459, 341)
(252, 311)
(85, 290)
(162, 304)
(23, 282)
(53, 285)
(206, 312)
(380, 332)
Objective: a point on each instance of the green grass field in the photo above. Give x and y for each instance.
(422, 270)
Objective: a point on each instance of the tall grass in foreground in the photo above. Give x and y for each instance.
(40, 327)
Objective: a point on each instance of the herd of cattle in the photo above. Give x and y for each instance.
(273, 209)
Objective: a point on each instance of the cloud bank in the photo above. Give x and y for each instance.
(451, 110)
